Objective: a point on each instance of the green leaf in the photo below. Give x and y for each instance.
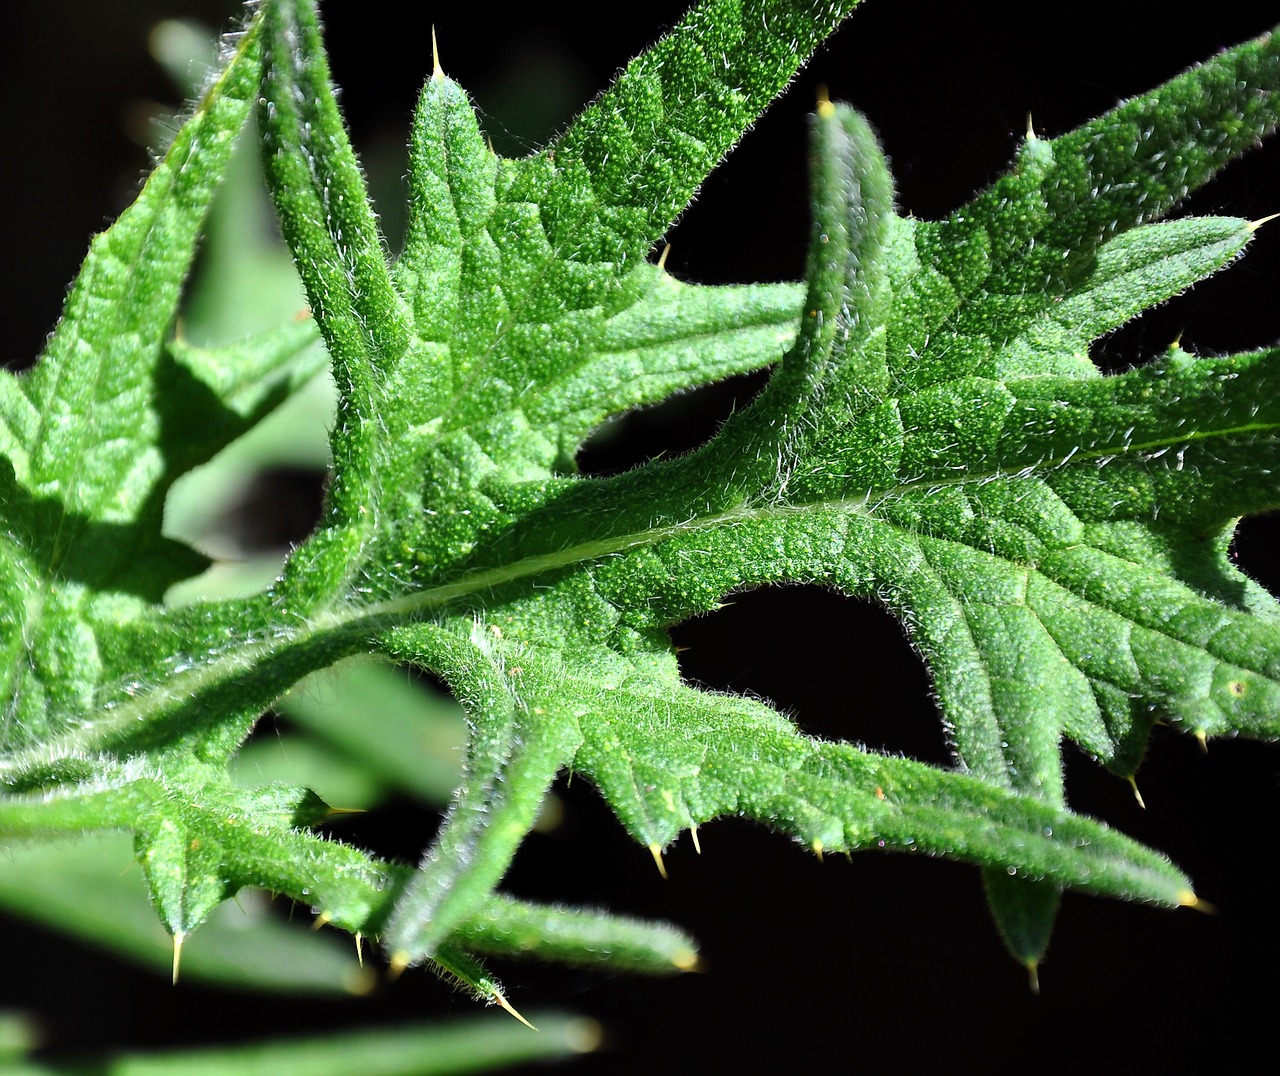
(464, 1046)
(243, 944)
(392, 731)
(90, 450)
(932, 435)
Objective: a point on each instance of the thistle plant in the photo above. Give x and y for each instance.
(932, 435)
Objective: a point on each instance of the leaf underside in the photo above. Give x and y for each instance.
(932, 436)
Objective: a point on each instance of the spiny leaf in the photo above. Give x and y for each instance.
(103, 356)
(647, 144)
(86, 443)
(932, 436)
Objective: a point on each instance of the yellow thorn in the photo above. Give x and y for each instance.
(322, 920)
(662, 258)
(346, 810)
(687, 960)
(1254, 225)
(395, 967)
(825, 108)
(1031, 131)
(360, 948)
(437, 72)
(697, 844)
(1204, 740)
(656, 852)
(512, 1010)
(1187, 899)
(1033, 977)
(1136, 794)
(817, 850)
(178, 939)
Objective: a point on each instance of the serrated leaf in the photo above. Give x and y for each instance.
(933, 435)
(91, 450)
(244, 944)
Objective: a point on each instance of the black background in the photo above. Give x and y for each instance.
(866, 961)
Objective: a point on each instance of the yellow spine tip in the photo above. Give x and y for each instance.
(662, 258)
(1033, 976)
(396, 965)
(437, 72)
(817, 850)
(656, 852)
(825, 108)
(1254, 225)
(360, 948)
(1133, 784)
(505, 1004)
(697, 844)
(322, 920)
(178, 939)
(1203, 739)
(686, 960)
(1031, 131)
(1187, 899)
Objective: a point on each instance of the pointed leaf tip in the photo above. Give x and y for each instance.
(687, 960)
(178, 939)
(505, 1004)
(1133, 784)
(1188, 899)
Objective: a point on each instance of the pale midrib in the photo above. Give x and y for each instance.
(133, 712)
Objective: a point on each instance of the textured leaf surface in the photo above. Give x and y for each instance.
(932, 435)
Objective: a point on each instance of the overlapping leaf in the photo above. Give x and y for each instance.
(933, 435)
(938, 438)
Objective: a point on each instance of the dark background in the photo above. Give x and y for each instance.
(861, 962)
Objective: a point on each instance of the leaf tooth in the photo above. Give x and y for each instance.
(1188, 899)
(397, 963)
(500, 999)
(1133, 784)
(179, 937)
